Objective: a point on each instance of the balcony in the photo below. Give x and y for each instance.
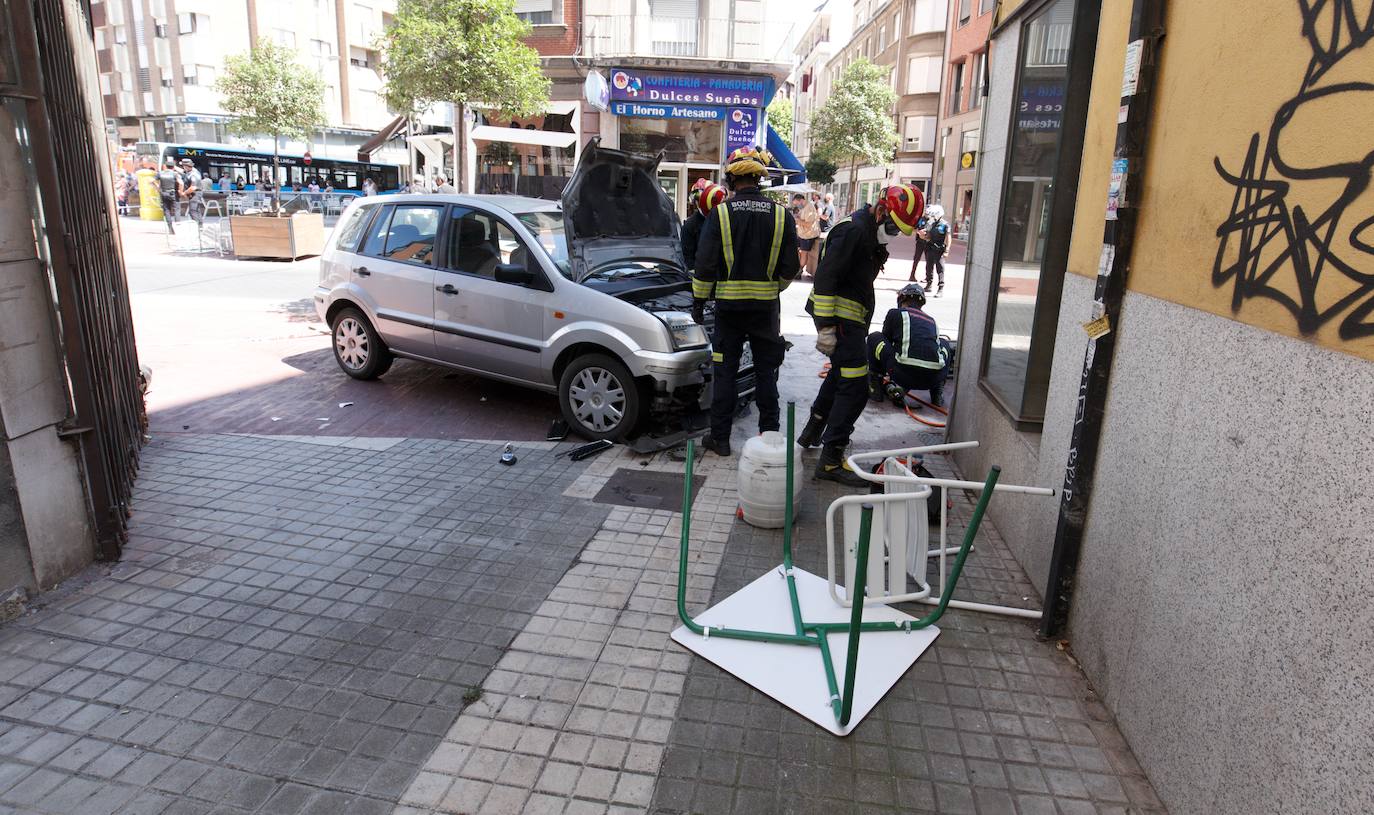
(701, 37)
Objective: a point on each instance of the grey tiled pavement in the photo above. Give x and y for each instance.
(293, 627)
(988, 720)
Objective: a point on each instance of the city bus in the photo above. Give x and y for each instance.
(252, 166)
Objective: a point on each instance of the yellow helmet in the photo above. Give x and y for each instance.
(748, 161)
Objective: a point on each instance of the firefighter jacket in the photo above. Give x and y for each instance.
(851, 258)
(691, 236)
(914, 338)
(747, 253)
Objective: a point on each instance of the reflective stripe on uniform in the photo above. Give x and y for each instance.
(778, 220)
(878, 351)
(832, 305)
(717, 356)
(746, 290)
(701, 289)
(853, 373)
(727, 241)
(903, 359)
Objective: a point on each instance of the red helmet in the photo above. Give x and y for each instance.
(905, 204)
(706, 196)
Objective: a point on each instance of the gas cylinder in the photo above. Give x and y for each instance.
(762, 476)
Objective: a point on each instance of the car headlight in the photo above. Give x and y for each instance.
(685, 332)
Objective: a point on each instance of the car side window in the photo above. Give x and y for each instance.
(479, 241)
(376, 234)
(410, 236)
(352, 230)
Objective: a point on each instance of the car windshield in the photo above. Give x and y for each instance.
(547, 228)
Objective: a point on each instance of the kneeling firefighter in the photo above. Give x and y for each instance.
(909, 352)
(747, 255)
(842, 304)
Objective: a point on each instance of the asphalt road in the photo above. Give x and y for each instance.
(235, 347)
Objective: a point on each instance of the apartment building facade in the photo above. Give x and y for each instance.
(826, 34)
(158, 61)
(961, 103)
(906, 37)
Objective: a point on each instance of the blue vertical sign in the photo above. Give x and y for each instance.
(741, 128)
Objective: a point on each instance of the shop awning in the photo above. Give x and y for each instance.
(793, 171)
(382, 136)
(518, 135)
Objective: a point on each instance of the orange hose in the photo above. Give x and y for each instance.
(825, 371)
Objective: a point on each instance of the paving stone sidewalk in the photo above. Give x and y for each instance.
(293, 628)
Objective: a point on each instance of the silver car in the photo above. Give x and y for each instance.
(588, 299)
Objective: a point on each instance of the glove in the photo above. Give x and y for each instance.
(699, 313)
(826, 340)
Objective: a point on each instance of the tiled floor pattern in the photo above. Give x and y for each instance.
(293, 628)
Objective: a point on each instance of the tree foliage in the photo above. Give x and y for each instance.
(270, 93)
(463, 52)
(820, 170)
(855, 123)
(780, 117)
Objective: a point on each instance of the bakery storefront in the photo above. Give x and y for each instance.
(695, 119)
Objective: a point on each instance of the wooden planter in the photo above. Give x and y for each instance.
(285, 237)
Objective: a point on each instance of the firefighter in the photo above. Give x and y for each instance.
(841, 303)
(703, 198)
(746, 256)
(909, 352)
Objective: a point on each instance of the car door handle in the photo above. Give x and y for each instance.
(362, 271)
(447, 288)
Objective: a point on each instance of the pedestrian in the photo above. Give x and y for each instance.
(314, 185)
(932, 243)
(828, 212)
(808, 234)
(169, 187)
(441, 185)
(328, 185)
(418, 185)
(841, 303)
(704, 197)
(193, 191)
(746, 257)
(122, 192)
(369, 186)
(909, 352)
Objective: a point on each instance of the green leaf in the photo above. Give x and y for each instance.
(855, 123)
(269, 92)
(780, 117)
(464, 52)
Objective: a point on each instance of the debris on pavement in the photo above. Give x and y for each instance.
(508, 455)
(345, 404)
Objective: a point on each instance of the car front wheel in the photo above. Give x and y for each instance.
(357, 348)
(599, 398)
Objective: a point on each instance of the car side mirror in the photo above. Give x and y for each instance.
(514, 274)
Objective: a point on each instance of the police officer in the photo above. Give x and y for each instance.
(841, 303)
(747, 255)
(703, 198)
(193, 190)
(909, 351)
(169, 186)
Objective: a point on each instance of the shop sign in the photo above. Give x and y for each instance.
(701, 114)
(741, 128)
(967, 160)
(596, 91)
(633, 85)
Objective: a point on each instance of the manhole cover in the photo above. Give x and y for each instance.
(646, 490)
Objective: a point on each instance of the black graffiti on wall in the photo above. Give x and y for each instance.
(1301, 228)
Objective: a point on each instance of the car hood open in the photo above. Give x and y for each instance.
(614, 210)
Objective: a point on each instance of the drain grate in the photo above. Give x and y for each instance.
(646, 490)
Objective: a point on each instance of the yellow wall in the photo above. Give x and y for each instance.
(1227, 70)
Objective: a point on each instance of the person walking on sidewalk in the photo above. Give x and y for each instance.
(932, 232)
(168, 193)
(704, 197)
(909, 352)
(193, 190)
(842, 303)
(808, 234)
(746, 257)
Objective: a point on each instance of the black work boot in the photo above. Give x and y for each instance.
(719, 447)
(811, 433)
(833, 467)
(937, 396)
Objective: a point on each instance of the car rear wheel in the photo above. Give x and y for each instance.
(598, 397)
(357, 347)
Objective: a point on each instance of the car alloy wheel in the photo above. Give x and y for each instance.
(350, 339)
(598, 399)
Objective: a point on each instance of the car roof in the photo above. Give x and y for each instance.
(510, 203)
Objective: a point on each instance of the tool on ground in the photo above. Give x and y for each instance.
(508, 455)
(816, 634)
(588, 450)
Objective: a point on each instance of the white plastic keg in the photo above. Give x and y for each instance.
(762, 474)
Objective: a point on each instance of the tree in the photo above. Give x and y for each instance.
(270, 93)
(780, 117)
(855, 123)
(461, 52)
(820, 170)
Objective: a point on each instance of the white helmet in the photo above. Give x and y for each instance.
(935, 212)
